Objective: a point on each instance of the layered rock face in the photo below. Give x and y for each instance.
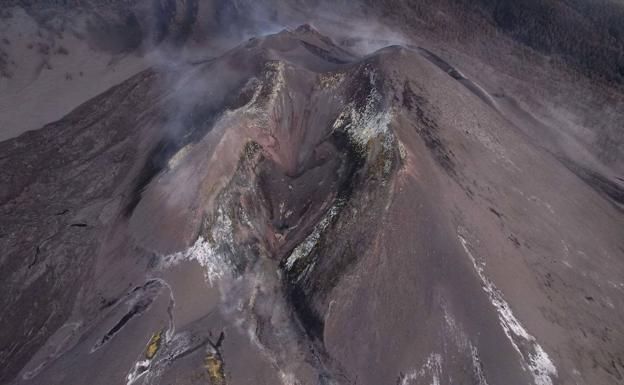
(292, 212)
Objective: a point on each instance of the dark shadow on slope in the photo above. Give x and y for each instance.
(606, 187)
(192, 128)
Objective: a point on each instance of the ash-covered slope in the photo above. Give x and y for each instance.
(290, 212)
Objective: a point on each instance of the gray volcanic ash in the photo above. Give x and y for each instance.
(292, 211)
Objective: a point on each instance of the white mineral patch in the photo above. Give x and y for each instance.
(206, 253)
(139, 370)
(431, 368)
(534, 358)
(476, 366)
(305, 247)
(461, 340)
(263, 112)
(287, 378)
(369, 122)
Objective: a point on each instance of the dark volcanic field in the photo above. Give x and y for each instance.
(398, 193)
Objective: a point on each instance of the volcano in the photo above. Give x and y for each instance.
(292, 210)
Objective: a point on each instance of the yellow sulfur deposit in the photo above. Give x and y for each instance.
(214, 365)
(154, 344)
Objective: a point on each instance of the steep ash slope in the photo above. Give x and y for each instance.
(292, 213)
